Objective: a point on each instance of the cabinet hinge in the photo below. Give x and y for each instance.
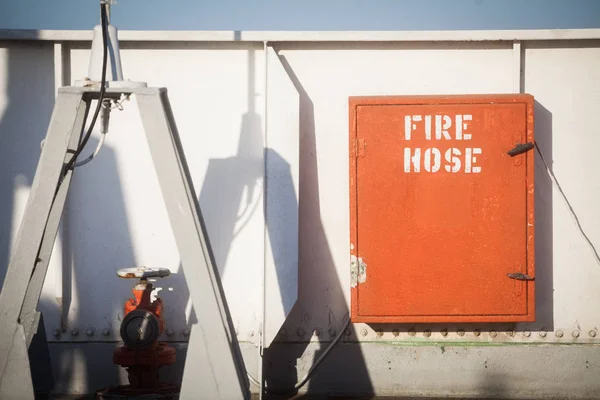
(359, 147)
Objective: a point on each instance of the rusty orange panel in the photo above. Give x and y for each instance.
(442, 217)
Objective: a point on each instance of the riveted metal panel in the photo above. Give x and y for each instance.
(442, 208)
(119, 233)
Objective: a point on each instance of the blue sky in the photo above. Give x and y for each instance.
(304, 14)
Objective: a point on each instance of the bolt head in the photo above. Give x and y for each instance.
(300, 332)
(444, 332)
(363, 332)
(170, 332)
(460, 332)
(106, 332)
(427, 333)
(186, 332)
(543, 334)
(510, 333)
(90, 332)
(527, 334)
(477, 332)
(332, 332)
(56, 333)
(575, 334)
(593, 333)
(412, 333)
(347, 332)
(379, 333)
(316, 332)
(395, 333)
(493, 334)
(559, 333)
(75, 332)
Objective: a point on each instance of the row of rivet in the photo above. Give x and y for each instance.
(75, 332)
(171, 332)
(363, 332)
(106, 332)
(444, 332)
(316, 333)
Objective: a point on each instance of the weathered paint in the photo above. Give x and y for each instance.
(358, 270)
(442, 234)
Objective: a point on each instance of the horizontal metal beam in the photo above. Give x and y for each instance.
(308, 36)
(432, 370)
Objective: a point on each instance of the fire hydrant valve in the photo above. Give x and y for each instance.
(142, 353)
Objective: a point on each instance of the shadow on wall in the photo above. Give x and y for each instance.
(228, 193)
(544, 232)
(316, 265)
(231, 194)
(225, 197)
(29, 99)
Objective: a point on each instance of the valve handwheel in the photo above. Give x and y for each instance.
(143, 273)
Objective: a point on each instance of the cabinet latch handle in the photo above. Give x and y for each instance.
(520, 149)
(520, 276)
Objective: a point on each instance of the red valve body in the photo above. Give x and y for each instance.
(143, 362)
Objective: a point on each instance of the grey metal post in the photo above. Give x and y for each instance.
(29, 315)
(214, 366)
(15, 376)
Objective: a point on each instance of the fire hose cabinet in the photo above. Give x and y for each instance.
(442, 208)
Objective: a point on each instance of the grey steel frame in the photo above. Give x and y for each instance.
(214, 367)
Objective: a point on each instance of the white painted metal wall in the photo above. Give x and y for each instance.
(216, 82)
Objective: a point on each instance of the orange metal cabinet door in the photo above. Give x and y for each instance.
(441, 214)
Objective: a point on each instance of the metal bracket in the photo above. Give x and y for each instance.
(520, 276)
(520, 149)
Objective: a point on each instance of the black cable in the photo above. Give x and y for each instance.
(82, 143)
(104, 20)
(566, 199)
(298, 386)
